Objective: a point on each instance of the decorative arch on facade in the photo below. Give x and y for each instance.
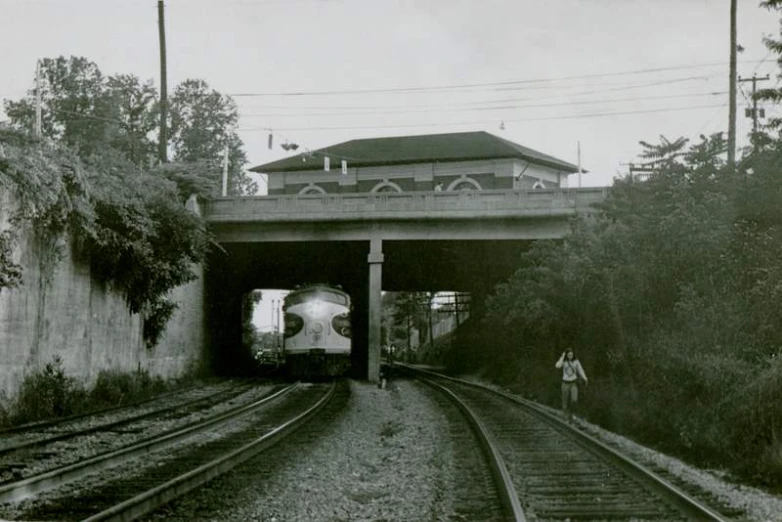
(311, 190)
(464, 183)
(386, 186)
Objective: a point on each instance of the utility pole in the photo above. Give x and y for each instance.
(38, 131)
(163, 143)
(754, 114)
(732, 97)
(274, 321)
(225, 171)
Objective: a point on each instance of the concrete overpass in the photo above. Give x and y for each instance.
(311, 238)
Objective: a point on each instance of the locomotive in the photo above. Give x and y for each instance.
(317, 339)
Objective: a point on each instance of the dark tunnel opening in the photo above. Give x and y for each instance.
(466, 266)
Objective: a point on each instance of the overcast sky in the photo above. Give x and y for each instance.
(319, 72)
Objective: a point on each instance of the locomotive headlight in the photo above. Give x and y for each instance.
(317, 328)
(316, 308)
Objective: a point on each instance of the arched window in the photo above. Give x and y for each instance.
(464, 183)
(386, 186)
(311, 190)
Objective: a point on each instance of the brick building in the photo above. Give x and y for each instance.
(448, 162)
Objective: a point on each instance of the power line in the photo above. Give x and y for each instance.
(620, 87)
(435, 88)
(501, 107)
(711, 118)
(486, 122)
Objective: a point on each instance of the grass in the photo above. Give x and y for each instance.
(49, 394)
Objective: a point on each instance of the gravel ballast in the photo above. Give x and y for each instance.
(389, 457)
(385, 458)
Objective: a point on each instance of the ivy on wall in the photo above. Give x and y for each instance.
(130, 225)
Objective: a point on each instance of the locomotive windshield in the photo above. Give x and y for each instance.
(322, 294)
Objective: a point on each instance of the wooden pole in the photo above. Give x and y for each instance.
(38, 123)
(732, 85)
(163, 143)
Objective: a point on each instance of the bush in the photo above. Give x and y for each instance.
(5, 412)
(113, 388)
(49, 394)
(753, 434)
(46, 394)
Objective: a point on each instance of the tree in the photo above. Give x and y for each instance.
(250, 334)
(134, 107)
(89, 112)
(203, 124)
(406, 309)
(92, 113)
(74, 105)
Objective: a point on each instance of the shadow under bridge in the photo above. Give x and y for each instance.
(368, 243)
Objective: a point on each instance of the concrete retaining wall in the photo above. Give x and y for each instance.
(59, 310)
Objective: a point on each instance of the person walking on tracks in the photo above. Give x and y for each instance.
(572, 371)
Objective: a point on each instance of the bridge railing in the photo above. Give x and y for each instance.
(405, 205)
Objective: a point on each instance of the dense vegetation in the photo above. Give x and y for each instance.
(671, 300)
(94, 177)
(49, 393)
(128, 224)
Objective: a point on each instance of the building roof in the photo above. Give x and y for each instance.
(461, 146)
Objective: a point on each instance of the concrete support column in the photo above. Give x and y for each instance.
(375, 260)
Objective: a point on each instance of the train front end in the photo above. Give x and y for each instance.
(317, 332)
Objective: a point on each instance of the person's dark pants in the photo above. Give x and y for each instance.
(569, 397)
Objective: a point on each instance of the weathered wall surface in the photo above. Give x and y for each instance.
(59, 310)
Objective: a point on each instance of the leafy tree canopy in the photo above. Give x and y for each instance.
(91, 113)
(203, 124)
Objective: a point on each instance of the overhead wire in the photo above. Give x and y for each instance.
(744, 95)
(451, 87)
(620, 87)
(484, 122)
(501, 107)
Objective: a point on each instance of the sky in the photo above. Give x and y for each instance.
(547, 74)
(267, 314)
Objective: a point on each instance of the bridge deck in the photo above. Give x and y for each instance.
(404, 205)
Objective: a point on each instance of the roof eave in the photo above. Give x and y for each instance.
(317, 166)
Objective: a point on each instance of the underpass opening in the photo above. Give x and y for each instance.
(467, 267)
(238, 269)
(414, 323)
(459, 275)
(263, 327)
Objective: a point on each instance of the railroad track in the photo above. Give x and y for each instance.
(50, 423)
(169, 466)
(546, 469)
(36, 452)
(262, 470)
(39, 434)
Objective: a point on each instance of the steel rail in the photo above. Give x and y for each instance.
(686, 504)
(111, 425)
(36, 484)
(39, 425)
(502, 479)
(156, 497)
